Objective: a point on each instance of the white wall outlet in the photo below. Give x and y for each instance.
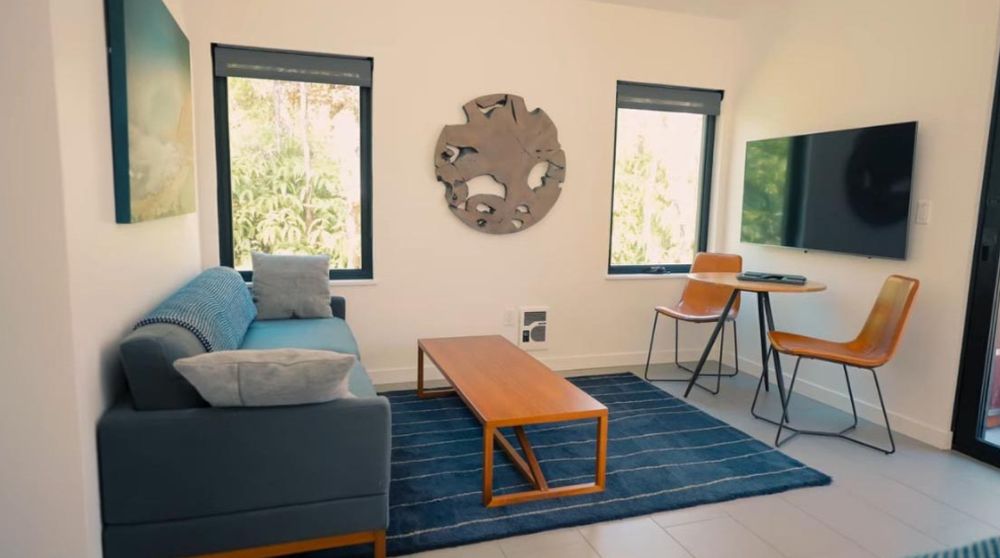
(509, 317)
(923, 212)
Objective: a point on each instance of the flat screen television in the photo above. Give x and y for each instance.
(844, 191)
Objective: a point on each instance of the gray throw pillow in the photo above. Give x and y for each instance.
(269, 377)
(291, 286)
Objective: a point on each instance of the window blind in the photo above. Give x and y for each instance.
(291, 66)
(670, 99)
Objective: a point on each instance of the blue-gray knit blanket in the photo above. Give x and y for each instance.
(215, 306)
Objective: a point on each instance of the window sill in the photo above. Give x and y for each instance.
(643, 276)
(352, 282)
(339, 283)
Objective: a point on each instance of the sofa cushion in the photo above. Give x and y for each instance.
(291, 286)
(325, 334)
(158, 466)
(359, 382)
(330, 334)
(148, 356)
(268, 378)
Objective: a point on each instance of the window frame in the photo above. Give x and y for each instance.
(224, 176)
(705, 185)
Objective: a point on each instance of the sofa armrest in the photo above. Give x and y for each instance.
(177, 464)
(339, 306)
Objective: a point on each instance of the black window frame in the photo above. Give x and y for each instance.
(223, 166)
(707, 164)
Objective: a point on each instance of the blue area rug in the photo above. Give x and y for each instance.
(989, 548)
(663, 454)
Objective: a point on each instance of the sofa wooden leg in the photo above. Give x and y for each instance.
(284, 549)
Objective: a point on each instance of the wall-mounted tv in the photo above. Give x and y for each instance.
(845, 191)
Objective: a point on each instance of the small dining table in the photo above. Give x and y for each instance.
(765, 320)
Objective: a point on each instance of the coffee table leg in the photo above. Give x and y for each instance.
(428, 393)
(602, 450)
(420, 371)
(488, 433)
(537, 478)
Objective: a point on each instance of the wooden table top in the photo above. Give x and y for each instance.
(728, 279)
(505, 386)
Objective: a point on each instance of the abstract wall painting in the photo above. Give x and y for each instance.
(152, 130)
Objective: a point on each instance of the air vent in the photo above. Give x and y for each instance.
(534, 323)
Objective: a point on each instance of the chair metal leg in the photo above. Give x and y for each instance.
(711, 341)
(677, 363)
(756, 394)
(718, 370)
(652, 336)
(764, 351)
(677, 346)
(736, 350)
(784, 419)
(885, 415)
(850, 394)
(842, 434)
(779, 377)
(649, 356)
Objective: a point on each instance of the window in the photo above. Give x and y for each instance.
(293, 143)
(664, 137)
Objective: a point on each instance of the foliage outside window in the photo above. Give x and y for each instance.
(661, 180)
(295, 161)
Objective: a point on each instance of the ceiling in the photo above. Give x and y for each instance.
(726, 9)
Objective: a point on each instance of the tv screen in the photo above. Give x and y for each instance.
(845, 191)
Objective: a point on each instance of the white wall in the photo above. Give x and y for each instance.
(834, 65)
(41, 486)
(73, 281)
(435, 276)
(116, 272)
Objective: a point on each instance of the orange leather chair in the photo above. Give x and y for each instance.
(702, 303)
(872, 348)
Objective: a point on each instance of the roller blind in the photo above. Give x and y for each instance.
(291, 66)
(670, 99)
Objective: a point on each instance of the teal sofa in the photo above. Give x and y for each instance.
(180, 478)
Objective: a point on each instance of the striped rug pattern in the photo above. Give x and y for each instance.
(989, 548)
(663, 454)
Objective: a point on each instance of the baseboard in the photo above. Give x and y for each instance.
(579, 364)
(602, 363)
(872, 412)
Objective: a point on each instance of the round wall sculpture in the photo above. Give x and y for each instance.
(505, 141)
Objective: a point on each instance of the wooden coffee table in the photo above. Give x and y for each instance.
(504, 387)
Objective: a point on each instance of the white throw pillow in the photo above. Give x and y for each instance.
(268, 377)
(291, 286)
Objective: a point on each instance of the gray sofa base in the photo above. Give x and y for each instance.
(172, 539)
(179, 478)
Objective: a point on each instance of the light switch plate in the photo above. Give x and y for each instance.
(923, 212)
(508, 317)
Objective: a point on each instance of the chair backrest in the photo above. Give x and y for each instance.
(704, 295)
(884, 326)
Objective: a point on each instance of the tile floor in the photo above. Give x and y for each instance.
(918, 500)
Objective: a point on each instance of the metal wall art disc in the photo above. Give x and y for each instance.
(505, 141)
